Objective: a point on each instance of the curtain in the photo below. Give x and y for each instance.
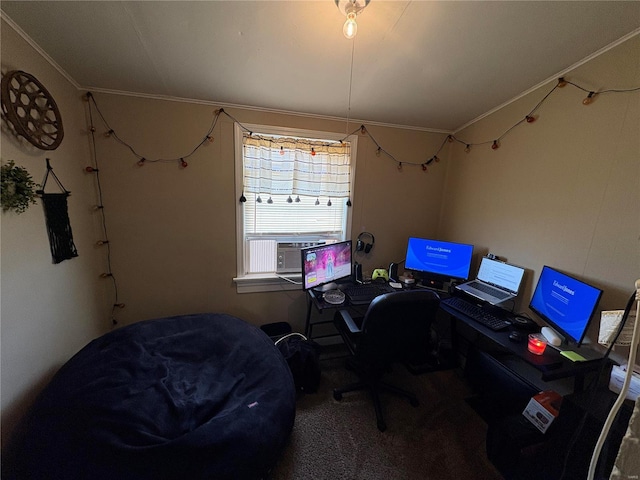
(296, 166)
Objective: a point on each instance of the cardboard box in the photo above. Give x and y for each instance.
(543, 409)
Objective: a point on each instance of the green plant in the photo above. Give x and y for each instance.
(17, 191)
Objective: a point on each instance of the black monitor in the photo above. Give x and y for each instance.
(438, 261)
(322, 265)
(565, 303)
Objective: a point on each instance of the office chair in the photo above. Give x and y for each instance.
(396, 328)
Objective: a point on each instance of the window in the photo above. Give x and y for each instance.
(295, 190)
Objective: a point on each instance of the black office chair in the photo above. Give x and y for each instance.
(395, 329)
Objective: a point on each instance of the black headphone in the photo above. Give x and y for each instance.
(362, 246)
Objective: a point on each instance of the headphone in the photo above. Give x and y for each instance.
(361, 245)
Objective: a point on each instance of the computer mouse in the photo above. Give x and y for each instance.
(516, 336)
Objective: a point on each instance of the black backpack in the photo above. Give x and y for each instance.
(303, 357)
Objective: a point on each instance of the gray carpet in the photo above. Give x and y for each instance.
(441, 439)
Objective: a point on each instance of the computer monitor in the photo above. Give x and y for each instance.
(322, 265)
(438, 261)
(565, 303)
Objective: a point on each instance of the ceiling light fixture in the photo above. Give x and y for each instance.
(351, 8)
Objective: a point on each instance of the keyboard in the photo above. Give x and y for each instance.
(362, 294)
(488, 289)
(476, 313)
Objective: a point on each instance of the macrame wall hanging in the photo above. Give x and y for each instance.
(57, 218)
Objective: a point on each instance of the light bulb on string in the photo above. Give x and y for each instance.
(562, 82)
(495, 145)
(100, 243)
(313, 152)
(259, 199)
(530, 118)
(424, 167)
(210, 138)
(378, 151)
(183, 164)
(108, 133)
(588, 99)
(243, 198)
(348, 202)
(281, 150)
(297, 198)
(467, 148)
(450, 138)
(318, 201)
(270, 201)
(289, 199)
(399, 165)
(141, 162)
(435, 157)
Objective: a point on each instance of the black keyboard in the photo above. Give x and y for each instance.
(364, 293)
(476, 313)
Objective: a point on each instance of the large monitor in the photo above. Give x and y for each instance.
(438, 260)
(565, 303)
(324, 264)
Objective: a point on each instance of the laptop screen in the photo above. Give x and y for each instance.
(500, 274)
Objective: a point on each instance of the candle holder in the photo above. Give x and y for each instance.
(537, 343)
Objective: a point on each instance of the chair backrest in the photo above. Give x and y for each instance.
(396, 326)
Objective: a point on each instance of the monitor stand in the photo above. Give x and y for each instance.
(326, 287)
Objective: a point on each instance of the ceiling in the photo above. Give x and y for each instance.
(433, 65)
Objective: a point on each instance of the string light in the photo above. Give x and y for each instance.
(281, 150)
(100, 243)
(270, 201)
(210, 138)
(183, 164)
(119, 305)
(378, 151)
(91, 170)
(298, 199)
(106, 275)
(329, 203)
(424, 167)
(289, 199)
(348, 202)
(530, 118)
(108, 133)
(243, 198)
(467, 148)
(97, 207)
(399, 165)
(588, 99)
(313, 152)
(318, 201)
(259, 199)
(495, 145)
(141, 162)
(562, 82)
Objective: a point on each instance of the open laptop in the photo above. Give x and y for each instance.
(496, 282)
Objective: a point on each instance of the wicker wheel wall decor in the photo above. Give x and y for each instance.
(31, 109)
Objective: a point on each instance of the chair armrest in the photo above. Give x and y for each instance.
(348, 320)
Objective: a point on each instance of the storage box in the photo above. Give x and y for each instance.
(543, 409)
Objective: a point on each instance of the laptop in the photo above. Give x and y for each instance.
(495, 283)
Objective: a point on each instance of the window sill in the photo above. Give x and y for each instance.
(268, 282)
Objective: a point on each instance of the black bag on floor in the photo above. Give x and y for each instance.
(303, 357)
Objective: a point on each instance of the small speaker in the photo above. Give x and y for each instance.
(524, 323)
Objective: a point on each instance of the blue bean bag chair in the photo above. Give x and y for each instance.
(204, 396)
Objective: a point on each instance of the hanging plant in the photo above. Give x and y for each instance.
(18, 189)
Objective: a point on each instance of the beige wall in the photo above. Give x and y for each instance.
(563, 191)
(172, 230)
(48, 311)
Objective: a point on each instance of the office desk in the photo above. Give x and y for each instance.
(551, 365)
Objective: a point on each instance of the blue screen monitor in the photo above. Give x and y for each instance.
(439, 260)
(324, 264)
(565, 303)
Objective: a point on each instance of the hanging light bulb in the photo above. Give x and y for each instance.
(270, 201)
(467, 148)
(350, 27)
(588, 99)
(297, 198)
(281, 150)
(243, 198)
(349, 202)
(317, 201)
(259, 199)
(289, 199)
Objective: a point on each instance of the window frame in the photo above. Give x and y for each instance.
(266, 282)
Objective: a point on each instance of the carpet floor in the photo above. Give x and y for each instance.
(442, 439)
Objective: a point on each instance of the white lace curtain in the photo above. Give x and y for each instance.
(295, 166)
